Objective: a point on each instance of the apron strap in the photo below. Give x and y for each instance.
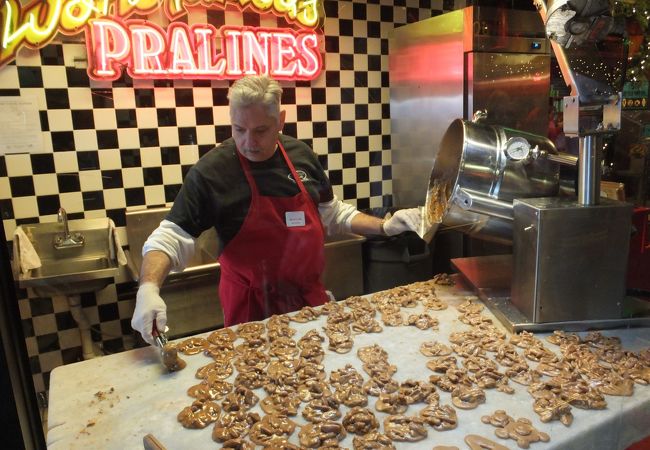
(293, 170)
(249, 176)
(251, 181)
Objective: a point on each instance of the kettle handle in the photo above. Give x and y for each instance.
(480, 115)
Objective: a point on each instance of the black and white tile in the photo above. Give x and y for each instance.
(111, 147)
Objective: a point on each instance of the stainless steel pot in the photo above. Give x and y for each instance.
(480, 169)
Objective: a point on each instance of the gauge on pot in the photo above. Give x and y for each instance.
(517, 148)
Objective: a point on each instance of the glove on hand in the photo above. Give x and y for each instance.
(403, 220)
(149, 306)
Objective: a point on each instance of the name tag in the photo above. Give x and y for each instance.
(295, 218)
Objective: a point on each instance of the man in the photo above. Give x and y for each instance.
(269, 200)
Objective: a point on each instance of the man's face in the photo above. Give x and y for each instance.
(255, 132)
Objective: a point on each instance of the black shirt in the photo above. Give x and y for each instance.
(215, 192)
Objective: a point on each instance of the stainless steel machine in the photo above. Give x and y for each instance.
(450, 66)
(568, 266)
(494, 180)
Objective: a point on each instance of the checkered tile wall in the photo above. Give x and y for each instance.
(115, 146)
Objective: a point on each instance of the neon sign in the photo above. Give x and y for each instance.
(147, 50)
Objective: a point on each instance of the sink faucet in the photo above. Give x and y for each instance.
(67, 240)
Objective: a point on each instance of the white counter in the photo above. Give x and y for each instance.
(113, 401)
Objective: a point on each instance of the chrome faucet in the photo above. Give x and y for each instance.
(67, 240)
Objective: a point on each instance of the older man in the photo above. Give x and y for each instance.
(271, 204)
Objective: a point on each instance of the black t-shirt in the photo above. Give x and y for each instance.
(215, 192)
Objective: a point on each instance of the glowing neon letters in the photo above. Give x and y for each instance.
(180, 51)
(149, 51)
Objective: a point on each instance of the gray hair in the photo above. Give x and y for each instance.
(256, 90)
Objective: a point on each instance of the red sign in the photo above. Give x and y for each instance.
(148, 50)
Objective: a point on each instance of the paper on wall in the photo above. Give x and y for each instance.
(20, 126)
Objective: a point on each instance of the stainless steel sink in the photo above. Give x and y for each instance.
(70, 270)
(140, 224)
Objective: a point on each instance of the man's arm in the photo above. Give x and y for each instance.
(341, 217)
(155, 267)
(168, 247)
(364, 224)
(150, 308)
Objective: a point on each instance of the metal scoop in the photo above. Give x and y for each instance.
(168, 352)
(158, 336)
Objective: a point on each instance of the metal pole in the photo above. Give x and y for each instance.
(589, 175)
(565, 159)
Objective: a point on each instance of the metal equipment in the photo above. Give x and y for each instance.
(573, 22)
(451, 65)
(567, 270)
(568, 264)
(480, 170)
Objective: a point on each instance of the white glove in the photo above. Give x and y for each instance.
(403, 220)
(149, 306)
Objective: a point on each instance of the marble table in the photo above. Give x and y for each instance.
(112, 402)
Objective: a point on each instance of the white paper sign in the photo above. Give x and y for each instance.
(20, 126)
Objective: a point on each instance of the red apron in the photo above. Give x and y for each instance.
(268, 267)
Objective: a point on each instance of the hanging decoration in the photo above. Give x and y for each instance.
(637, 13)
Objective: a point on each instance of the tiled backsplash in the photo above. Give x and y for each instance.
(127, 144)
